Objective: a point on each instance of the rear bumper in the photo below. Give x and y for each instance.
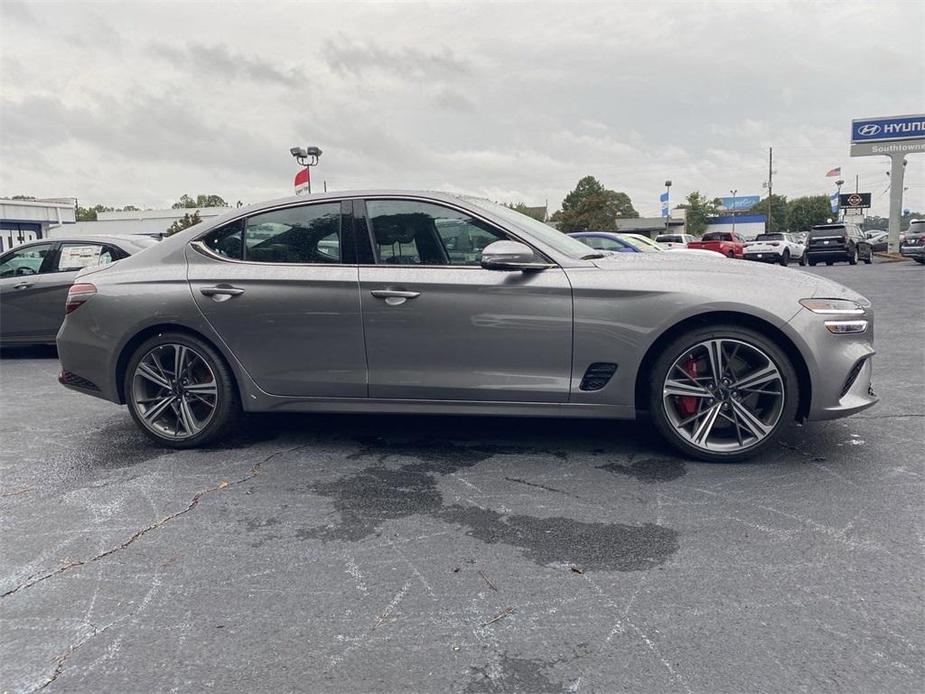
(912, 251)
(840, 253)
(764, 256)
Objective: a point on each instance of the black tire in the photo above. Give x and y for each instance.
(227, 410)
(853, 256)
(731, 254)
(920, 261)
(812, 263)
(785, 258)
(829, 262)
(869, 259)
(686, 342)
(803, 260)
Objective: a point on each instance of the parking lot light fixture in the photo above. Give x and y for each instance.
(307, 157)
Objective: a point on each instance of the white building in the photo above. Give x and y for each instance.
(22, 221)
(149, 222)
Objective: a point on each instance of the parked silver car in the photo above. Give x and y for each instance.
(427, 303)
(35, 278)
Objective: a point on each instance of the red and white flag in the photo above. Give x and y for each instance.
(834, 172)
(301, 181)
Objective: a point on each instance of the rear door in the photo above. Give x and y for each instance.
(440, 327)
(280, 288)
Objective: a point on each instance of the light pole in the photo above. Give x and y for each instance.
(306, 156)
(734, 209)
(668, 205)
(838, 184)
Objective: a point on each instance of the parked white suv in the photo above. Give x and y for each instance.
(667, 241)
(775, 248)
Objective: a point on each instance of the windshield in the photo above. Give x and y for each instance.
(542, 232)
(769, 237)
(669, 238)
(641, 244)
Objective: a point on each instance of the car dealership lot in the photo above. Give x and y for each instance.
(323, 553)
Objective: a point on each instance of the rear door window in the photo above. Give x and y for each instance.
(307, 234)
(76, 256)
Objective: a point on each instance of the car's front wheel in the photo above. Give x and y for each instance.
(723, 393)
(180, 391)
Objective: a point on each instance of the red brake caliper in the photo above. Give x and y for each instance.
(688, 403)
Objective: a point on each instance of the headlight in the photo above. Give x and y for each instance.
(833, 307)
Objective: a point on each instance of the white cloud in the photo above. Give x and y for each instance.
(132, 103)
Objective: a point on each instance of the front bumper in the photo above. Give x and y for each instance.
(840, 366)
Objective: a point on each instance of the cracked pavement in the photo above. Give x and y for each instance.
(397, 554)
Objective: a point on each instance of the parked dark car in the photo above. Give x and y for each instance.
(879, 241)
(837, 243)
(913, 246)
(35, 278)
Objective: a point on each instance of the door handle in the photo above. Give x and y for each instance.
(394, 293)
(22, 285)
(221, 292)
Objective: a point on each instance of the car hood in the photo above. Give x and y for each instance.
(690, 270)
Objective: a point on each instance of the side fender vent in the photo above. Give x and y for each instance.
(597, 376)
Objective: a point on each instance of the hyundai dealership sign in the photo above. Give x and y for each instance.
(894, 128)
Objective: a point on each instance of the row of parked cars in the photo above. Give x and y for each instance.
(824, 243)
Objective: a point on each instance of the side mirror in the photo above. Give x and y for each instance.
(511, 255)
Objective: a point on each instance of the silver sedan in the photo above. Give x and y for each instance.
(428, 303)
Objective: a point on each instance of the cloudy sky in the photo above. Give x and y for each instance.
(135, 103)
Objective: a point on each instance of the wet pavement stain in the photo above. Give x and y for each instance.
(369, 498)
(649, 470)
(557, 540)
(512, 675)
(448, 457)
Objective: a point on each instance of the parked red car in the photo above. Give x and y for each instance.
(728, 243)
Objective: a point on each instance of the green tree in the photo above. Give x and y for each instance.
(697, 209)
(89, 214)
(186, 202)
(591, 206)
(184, 222)
(778, 208)
(804, 212)
(538, 213)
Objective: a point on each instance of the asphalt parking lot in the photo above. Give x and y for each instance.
(399, 554)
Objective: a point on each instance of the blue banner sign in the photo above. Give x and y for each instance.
(663, 201)
(740, 202)
(895, 128)
(833, 202)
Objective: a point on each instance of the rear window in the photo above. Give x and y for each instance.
(717, 236)
(769, 237)
(917, 226)
(833, 230)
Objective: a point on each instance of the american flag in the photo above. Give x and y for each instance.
(834, 172)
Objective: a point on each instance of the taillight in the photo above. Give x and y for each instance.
(77, 295)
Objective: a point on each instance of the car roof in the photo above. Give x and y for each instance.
(121, 240)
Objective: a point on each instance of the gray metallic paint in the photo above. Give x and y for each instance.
(475, 341)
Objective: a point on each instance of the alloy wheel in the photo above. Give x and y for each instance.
(174, 391)
(723, 395)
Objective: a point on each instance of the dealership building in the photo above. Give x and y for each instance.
(22, 221)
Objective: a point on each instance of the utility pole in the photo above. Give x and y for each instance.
(770, 183)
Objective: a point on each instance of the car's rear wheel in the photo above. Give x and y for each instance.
(829, 262)
(723, 393)
(812, 263)
(853, 256)
(731, 254)
(785, 258)
(803, 260)
(180, 391)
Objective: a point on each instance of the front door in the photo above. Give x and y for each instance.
(28, 311)
(440, 327)
(280, 288)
